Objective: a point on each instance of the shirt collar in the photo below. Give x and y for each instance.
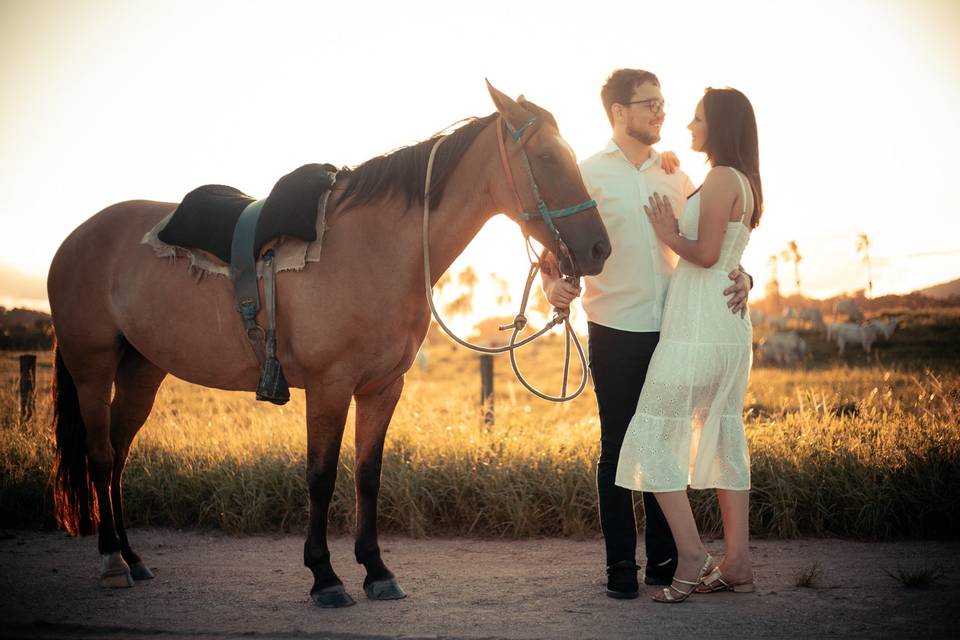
(654, 159)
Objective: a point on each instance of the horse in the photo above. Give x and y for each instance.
(348, 326)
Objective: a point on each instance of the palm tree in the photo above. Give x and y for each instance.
(863, 250)
(772, 289)
(791, 254)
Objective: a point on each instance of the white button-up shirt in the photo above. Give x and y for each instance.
(630, 292)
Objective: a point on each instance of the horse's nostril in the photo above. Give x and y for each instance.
(601, 250)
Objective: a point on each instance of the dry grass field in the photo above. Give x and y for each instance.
(864, 446)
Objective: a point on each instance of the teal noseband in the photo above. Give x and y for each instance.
(548, 215)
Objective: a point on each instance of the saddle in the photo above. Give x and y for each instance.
(208, 215)
(233, 226)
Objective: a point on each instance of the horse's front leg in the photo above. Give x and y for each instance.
(326, 414)
(373, 417)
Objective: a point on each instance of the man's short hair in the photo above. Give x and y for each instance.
(620, 85)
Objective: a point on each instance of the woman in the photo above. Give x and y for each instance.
(688, 427)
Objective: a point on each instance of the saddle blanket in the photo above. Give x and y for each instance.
(292, 223)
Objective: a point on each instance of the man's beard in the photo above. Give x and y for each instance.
(643, 136)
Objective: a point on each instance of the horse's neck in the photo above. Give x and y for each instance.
(394, 231)
(468, 202)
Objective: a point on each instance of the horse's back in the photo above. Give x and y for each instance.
(106, 284)
(101, 235)
(90, 253)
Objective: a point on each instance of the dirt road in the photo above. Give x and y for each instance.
(210, 585)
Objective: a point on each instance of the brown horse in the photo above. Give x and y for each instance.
(349, 325)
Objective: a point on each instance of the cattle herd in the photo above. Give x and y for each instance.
(784, 345)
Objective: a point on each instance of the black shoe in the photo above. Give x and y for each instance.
(660, 573)
(622, 580)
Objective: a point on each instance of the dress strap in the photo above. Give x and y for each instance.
(743, 193)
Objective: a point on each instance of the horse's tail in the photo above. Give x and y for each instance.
(75, 502)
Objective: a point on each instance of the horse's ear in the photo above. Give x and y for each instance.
(507, 107)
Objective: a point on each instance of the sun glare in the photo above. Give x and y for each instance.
(108, 101)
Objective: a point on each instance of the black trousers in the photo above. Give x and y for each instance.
(618, 364)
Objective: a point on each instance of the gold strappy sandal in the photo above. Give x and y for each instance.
(666, 596)
(715, 582)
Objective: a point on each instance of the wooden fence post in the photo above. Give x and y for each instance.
(486, 387)
(28, 383)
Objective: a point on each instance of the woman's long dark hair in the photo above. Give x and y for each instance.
(732, 139)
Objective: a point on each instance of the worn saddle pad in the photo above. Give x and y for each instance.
(206, 217)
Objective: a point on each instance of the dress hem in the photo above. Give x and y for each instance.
(698, 488)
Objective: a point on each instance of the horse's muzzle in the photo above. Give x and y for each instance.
(590, 264)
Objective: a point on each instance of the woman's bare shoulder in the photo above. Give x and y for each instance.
(721, 183)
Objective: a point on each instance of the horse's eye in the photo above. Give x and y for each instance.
(547, 156)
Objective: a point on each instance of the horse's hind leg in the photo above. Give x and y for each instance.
(93, 371)
(137, 382)
(327, 408)
(373, 417)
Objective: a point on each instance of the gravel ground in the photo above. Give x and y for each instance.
(211, 585)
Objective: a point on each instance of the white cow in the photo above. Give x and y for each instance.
(845, 333)
(850, 309)
(783, 348)
(883, 329)
(813, 316)
(777, 323)
(832, 330)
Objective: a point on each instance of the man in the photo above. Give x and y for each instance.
(624, 306)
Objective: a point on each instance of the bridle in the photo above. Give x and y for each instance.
(522, 218)
(546, 214)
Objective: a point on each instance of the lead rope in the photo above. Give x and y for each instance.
(520, 320)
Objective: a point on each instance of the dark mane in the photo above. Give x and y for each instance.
(403, 171)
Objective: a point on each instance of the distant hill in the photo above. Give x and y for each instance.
(943, 290)
(22, 317)
(25, 329)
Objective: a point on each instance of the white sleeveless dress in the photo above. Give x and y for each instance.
(688, 427)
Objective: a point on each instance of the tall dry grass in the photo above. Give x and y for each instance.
(866, 452)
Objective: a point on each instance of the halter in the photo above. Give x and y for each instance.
(546, 214)
(520, 321)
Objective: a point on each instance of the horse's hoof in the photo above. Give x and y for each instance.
(384, 590)
(333, 597)
(114, 572)
(139, 571)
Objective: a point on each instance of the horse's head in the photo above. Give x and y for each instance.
(546, 192)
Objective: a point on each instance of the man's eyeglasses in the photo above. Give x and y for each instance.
(656, 106)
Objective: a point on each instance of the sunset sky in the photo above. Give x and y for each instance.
(857, 105)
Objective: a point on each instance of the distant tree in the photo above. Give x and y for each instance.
(442, 283)
(539, 302)
(487, 331)
(463, 304)
(771, 290)
(468, 278)
(792, 255)
(863, 250)
(503, 289)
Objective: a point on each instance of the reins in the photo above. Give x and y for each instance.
(520, 320)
